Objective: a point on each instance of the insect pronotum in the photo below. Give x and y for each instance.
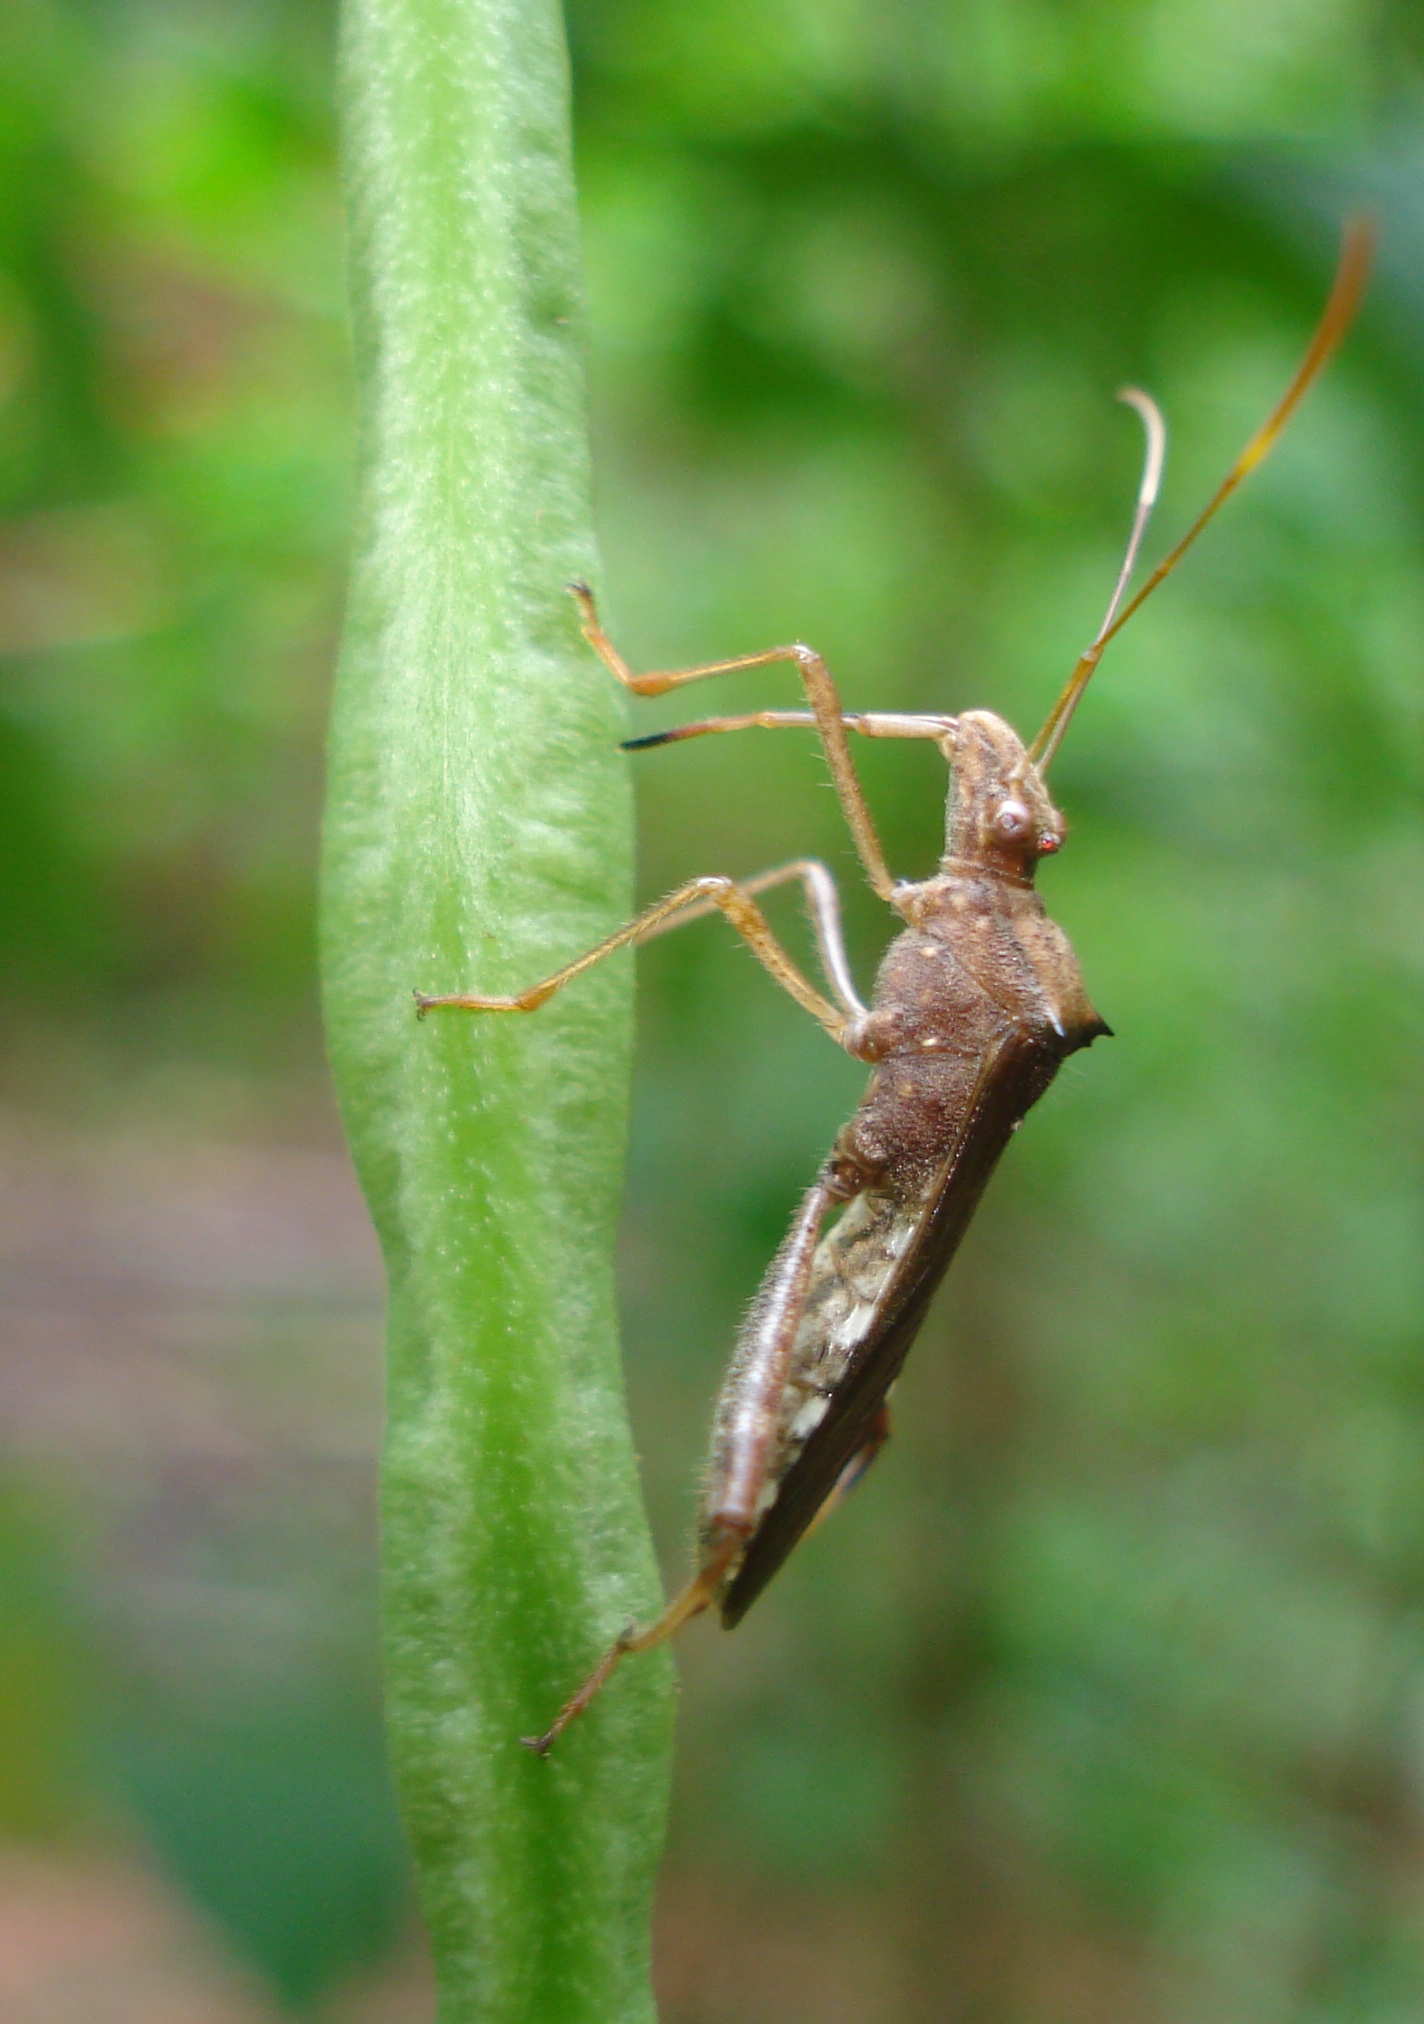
(977, 1004)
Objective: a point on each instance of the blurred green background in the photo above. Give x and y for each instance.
(1103, 1703)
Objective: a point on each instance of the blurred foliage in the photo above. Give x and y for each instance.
(47, 1764)
(1109, 1687)
(278, 1820)
(173, 475)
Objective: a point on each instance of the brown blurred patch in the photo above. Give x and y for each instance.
(729, 1956)
(138, 1279)
(78, 575)
(106, 1942)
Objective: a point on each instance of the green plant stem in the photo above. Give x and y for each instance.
(478, 834)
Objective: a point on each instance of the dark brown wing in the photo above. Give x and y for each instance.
(1014, 1078)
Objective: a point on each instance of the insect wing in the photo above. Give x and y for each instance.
(1013, 1076)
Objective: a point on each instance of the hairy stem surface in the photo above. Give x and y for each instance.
(478, 833)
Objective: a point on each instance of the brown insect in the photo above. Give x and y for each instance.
(977, 1004)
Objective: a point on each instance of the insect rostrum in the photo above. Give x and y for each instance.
(977, 1003)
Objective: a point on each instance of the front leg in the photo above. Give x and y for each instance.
(825, 710)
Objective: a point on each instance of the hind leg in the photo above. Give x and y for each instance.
(734, 1498)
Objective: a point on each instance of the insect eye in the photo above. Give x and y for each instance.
(1048, 843)
(1011, 818)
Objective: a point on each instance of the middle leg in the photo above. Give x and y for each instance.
(824, 904)
(699, 895)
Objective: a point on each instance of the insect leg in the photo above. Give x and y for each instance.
(727, 897)
(869, 723)
(825, 708)
(825, 908)
(699, 1593)
(854, 1469)
(747, 1433)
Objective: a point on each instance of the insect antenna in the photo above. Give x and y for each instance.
(1051, 736)
(1147, 490)
(1339, 313)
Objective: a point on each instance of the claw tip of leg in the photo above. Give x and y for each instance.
(540, 1745)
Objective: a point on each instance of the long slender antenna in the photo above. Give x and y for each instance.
(1339, 313)
(1051, 736)
(1147, 490)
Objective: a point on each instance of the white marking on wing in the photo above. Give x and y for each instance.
(856, 1324)
(809, 1418)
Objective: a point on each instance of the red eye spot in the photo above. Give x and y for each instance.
(1048, 844)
